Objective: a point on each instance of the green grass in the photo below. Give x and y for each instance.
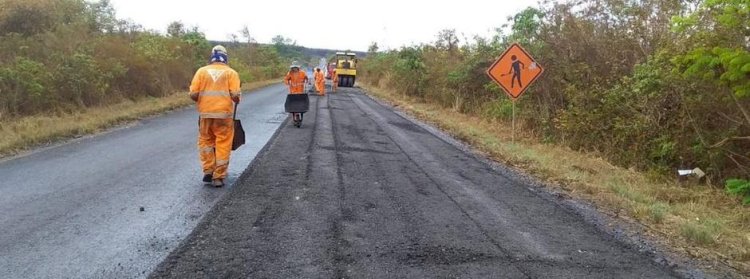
(701, 232)
(658, 211)
(625, 191)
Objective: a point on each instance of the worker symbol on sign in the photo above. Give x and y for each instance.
(514, 71)
(516, 68)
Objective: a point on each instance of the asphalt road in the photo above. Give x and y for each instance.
(361, 192)
(73, 210)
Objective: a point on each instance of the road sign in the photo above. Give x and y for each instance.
(514, 71)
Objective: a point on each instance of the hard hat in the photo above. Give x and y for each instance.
(295, 64)
(219, 54)
(219, 49)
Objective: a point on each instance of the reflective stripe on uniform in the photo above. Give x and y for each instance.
(221, 162)
(215, 94)
(207, 149)
(216, 115)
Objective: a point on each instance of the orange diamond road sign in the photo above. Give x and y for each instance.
(514, 71)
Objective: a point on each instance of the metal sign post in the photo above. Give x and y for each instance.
(514, 71)
(513, 134)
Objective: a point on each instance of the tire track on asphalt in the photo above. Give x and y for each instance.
(327, 133)
(390, 199)
(438, 185)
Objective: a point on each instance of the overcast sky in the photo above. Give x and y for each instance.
(327, 24)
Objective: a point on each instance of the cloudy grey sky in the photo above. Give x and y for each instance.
(327, 24)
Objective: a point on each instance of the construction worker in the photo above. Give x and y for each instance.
(216, 91)
(320, 82)
(315, 78)
(296, 81)
(334, 81)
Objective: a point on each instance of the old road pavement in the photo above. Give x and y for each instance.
(73, 210)
(362, 192)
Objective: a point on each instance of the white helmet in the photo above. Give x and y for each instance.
(220, 49)
(295, 64)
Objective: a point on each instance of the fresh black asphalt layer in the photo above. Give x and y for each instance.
(361, 192)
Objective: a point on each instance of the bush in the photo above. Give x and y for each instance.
(23, 86)
(78, 80)
(739, 187)
(627, 85)
(64, 55)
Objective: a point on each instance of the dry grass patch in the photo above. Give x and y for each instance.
(19, 134)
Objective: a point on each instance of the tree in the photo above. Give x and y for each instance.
(286, 47)
(526, 25)
(373, 48)
(720, 30)
(103, 16)
(33, 17)
(718, 53)
(128, 26)
(279, 40)
(447, 40)
(245, 33)
(233, 39)
(176, 29)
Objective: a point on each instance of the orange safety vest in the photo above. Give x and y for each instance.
(215, 85)
(296, 82)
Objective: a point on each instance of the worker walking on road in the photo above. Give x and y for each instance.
(216, 91)
(296, 81)
(334, 81)
(320, 82)
(315, 79)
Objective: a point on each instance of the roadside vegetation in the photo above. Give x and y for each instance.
(633, 91)
(70, 67)
(30, 131)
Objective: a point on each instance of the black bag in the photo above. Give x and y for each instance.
(239, 132)
(296, 103)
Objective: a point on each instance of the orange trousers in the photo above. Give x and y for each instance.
(215, 145)
(321, 86)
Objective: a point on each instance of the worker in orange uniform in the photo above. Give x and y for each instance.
(320, 82)
(315, 78)
(334, 81)
(296, 80)
(216, 90)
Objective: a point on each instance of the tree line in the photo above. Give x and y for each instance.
(59, 56)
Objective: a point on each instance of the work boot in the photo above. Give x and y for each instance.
(218, 183)
(208, 178)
